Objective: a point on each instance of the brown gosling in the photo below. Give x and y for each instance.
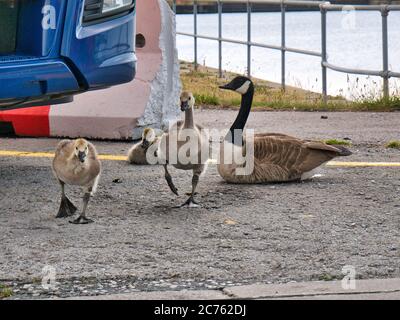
(172, 145)
(76, 163)
(137, 154)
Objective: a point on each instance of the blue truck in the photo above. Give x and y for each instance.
(51, 50)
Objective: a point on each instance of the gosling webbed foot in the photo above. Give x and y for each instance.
(66, 209)
(191, 203)
(81, 220)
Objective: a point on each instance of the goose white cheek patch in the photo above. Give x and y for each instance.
(243, 89)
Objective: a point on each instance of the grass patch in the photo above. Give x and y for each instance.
(36, 280)
(206, 99)
(204, 83)
(268, 95)
(337, 142)
(395, 144)
(5, 292)
(378, 104)
(326, 277)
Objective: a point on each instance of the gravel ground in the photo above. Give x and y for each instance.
(241, 234)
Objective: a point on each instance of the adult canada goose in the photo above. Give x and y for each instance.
(277, 157)
(137, 154)
(76, 163)
(185, 147)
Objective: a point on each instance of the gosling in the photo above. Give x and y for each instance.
(193, 158)
(138, 153)
(76, 163)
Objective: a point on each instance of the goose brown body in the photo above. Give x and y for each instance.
(276, 157)
(280, 158)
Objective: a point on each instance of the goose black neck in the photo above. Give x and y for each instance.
(241, 119)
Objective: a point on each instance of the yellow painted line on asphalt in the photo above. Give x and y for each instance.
(24, 154)
(110, 157)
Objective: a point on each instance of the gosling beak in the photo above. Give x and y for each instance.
(184, 105)
(81, 156)
(145, 144)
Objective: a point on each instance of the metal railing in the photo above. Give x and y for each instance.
(324, 7)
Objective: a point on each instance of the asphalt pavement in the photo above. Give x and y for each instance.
(241, 235)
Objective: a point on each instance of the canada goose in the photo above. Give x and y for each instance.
(185, 147)
(137, 154)
(277, 157)
(76, 163)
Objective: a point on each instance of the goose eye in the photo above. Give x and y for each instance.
(76, 148)
(190, 98)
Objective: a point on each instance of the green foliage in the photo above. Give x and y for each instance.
(206, 99)
(327, 277)
(204, 83)
(336, 142)
(395, 144)
(5, 292)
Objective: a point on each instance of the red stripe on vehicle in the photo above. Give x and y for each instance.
(32, 122)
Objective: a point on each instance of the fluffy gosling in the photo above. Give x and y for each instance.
(76, 163)
(137, 154)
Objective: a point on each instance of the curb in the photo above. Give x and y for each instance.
(313, 289)
(375, 289)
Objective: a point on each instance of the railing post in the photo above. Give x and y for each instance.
(220, 38)
(174, 6)
(385, 75)
(323, 54)
(248, 38)
(283, 45)
(195, 33)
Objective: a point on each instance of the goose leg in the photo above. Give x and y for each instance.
(67, 208)
(191, 203)
(82, 218)
(169, 181)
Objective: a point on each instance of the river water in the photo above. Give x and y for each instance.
(354, 40)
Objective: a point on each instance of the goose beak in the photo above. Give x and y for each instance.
(81, 156)
(145, 144)
(226, 87)
(184, 105)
